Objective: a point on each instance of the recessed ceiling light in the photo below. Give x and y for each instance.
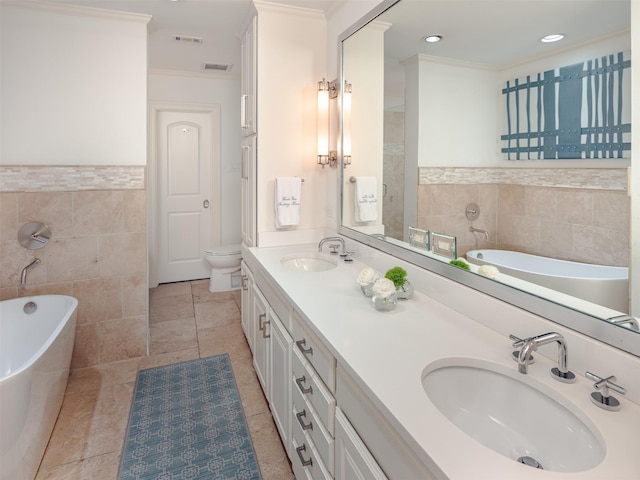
(432, 38)
(554, 37)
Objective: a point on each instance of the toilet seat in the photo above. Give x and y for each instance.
(224, 250)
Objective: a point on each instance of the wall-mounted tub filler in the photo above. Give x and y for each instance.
(23, 275)
(34, 235)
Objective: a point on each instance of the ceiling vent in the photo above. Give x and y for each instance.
(215, 67)
(187, 39)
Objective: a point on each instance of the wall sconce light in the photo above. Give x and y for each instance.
(346, 119)
(326, 91)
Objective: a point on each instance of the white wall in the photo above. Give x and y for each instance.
(224, 91)
(73, 86)
(291, 60)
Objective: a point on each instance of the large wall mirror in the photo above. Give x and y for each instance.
(440, 128)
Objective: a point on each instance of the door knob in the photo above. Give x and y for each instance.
(205, 204)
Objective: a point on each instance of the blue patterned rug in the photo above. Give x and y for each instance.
(187, 423)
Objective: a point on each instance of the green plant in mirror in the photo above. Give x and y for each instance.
(397, 275)
(460, 263)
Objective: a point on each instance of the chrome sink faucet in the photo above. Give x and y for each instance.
(528, 345)
(346, 256)
(332, 239)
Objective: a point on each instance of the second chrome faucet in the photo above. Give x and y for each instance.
(529, 345)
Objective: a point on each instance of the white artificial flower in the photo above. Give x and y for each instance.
(384, 288)
(462, 259)
(489, 271)
(367, 275)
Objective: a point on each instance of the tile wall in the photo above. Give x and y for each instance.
(586, 222)
(97, 252)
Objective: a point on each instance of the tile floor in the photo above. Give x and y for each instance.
(186, 322)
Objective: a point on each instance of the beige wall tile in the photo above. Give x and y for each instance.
(13, 258)
(8, 293)
(556, 240)
(540, 202)
(62, 288)
(8, 216)
(135, 210)
(52, 208)
(72, 259)
(85, 347)
(96, 212)
(574, 206)
(599, 245)
(123, 254)
(123, 338)
(135, 295)
(511, 200)
(519, 233)
(611, 210)
(98, 299)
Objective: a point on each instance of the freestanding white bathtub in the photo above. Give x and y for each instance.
(36, 343)
(600, 284)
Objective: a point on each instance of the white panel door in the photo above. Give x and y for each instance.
(185, 150)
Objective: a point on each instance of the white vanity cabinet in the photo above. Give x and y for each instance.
(353, 459)
(248, 190)
(246, 297)
(261, 339)
(298, 374)
(280, 394)
(314, 403)
(248, 79)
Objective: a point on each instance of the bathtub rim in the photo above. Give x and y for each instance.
(69, 313)
(483, 261)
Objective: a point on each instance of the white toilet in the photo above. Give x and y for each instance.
(225, 268)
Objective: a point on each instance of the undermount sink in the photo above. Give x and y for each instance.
(513, 415)
(308, 262)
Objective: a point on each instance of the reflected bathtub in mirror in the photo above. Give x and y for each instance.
(601, 284)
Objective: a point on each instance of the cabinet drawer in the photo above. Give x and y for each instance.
(306, 462)
(312, 389)
(307, 419)
(278, 304)
(314, 352)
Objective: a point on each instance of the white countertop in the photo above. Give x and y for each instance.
(387, 353)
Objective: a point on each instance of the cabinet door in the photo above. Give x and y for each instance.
(248, 79)
(248, 191)
(280, 397)
(247, 303)
(261, 339)
(353, 459)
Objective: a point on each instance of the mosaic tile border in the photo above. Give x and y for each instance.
(50, 178)
(588, 178)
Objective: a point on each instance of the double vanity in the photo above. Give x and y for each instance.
(431, 389)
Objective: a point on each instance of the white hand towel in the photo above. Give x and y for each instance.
(366, 199)
(288, 191)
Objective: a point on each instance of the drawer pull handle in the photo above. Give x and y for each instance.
(244, 282)
(301, 414)
(302, 388)
(263, 326)
(305, 463)
(301, 344)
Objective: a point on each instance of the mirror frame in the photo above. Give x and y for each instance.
(597, 328)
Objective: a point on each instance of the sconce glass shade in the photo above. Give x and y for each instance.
(323, 122)
(346, 134)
